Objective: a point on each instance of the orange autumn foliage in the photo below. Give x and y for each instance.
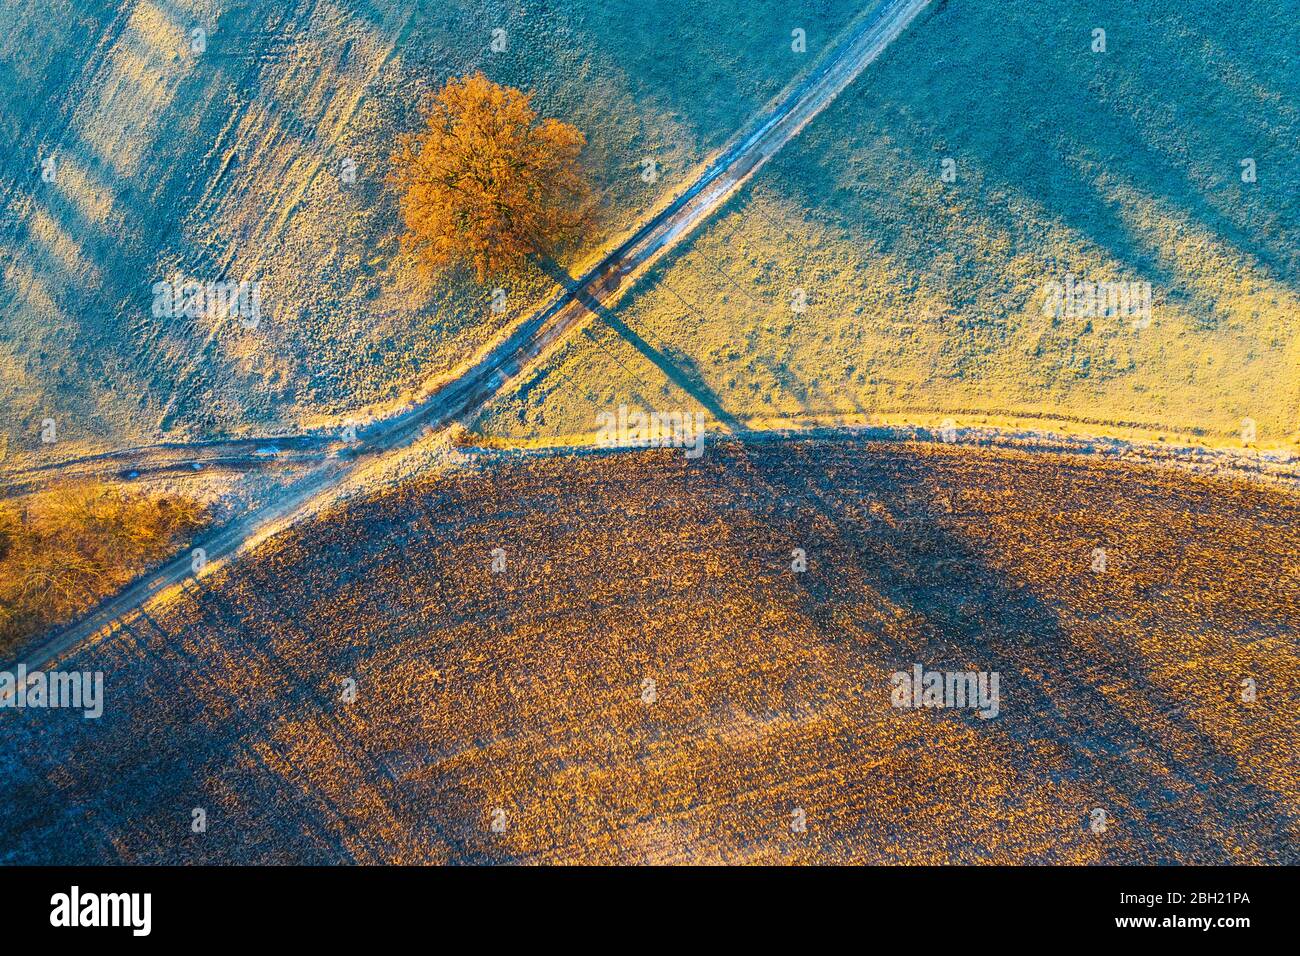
(63, 549)
(487, 184)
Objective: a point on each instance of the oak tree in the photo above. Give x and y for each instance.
(487, 183)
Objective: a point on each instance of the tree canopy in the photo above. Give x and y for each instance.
(487, 183)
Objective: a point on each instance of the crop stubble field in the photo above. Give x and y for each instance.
(523, 690)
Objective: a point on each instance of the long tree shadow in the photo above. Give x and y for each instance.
(965, 614)
(688, 380)
(912, 108)
(894, 577)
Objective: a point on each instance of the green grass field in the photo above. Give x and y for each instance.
(925, 297)
(227, 164)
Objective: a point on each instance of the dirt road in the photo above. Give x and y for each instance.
(484, 377)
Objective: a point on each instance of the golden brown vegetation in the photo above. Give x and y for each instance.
(524, 690)
(927, 297)
(487, 184)
(62, 550)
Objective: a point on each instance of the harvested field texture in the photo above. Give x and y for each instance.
(218, 140)
(898, 259)
(645, 677)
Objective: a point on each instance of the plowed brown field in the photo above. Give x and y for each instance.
(520, 697)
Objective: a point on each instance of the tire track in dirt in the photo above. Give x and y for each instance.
(497, 365)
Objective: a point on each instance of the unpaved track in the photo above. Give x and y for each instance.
(127, 464)
(757, 143)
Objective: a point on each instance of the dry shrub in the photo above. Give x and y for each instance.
(63, 550)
